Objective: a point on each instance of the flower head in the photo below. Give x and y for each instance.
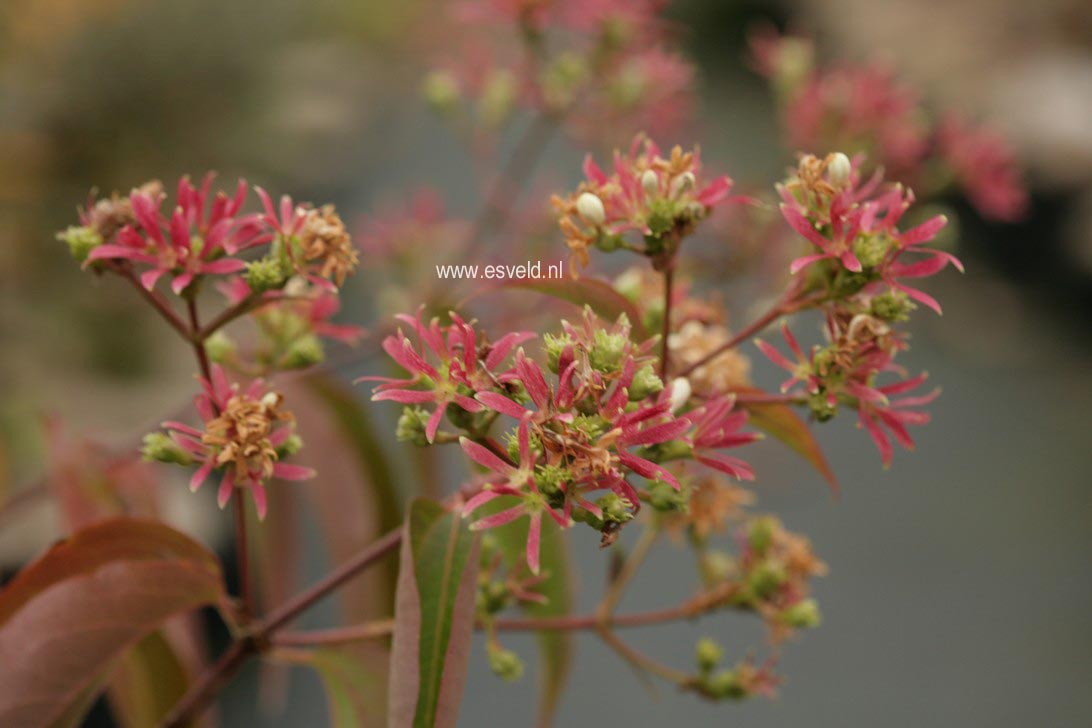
(245, 434)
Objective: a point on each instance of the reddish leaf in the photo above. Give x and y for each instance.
(782, 422)
(600, 295)
(434, 618)
(66, 618)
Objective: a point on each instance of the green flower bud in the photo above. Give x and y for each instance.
(80, 240)
(220, 347)
(498, 97)
(505, 664)
(708, 654)
(492, 597)
(159, 447)
(760, 533)
(548, 478)
(607, 351)
(555, 346)
(303, 352)
(717, 566)
(766, 578)
(615, 508)
(411, 426)
(290, 447)
(664, 498)
(802, 615)
(441, 91)
(265, 274)
(871, 249)
(893, 306)
(725, 684)
(646, 382)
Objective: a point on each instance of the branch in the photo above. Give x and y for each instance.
(155, 300)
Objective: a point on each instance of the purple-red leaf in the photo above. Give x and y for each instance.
(67, 617)
(607, 302)
(782, 422)
(434, 618)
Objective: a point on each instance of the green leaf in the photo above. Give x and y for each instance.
(600, 295)
(354, 694)
(147, 681)
(555, 646)
(782, 422)
(434, 617)
(67, 617)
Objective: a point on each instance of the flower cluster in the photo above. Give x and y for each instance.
(283, 264)
(857, 273)
(658, 198)
(578, 442)
(866, 109)
(601, 65)
(205, 234)
(246, 435)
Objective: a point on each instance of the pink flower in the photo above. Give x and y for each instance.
(716, 426)
(189, 243)
(244, 428)
(511, 480)
(456, 374)
(985, 167)
(874, 415)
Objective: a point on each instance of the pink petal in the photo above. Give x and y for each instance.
(286, 471)
(534, 536)
(485, 457)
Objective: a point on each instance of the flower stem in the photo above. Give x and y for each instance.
(157, 302)
(242, 552)
(665, 350)
(786, 305)
(617, 588)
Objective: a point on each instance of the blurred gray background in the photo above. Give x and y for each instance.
(959, 590)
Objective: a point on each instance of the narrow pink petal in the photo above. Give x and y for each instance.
(479, 500)
(801, 263)
(502, 404)
(261, 502)
(498, 519)
(227, 485)
(534, 537)
(181, 281)
(433, 423)
(200, 475)
(485, 457)
(287, 471)
(149, 278)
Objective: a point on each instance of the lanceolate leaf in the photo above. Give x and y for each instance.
(783, 423)
(352, 421)
(434, 618)
(148, 680)
(354, 696)
(555, 646)
(66, 618)
(600, 295)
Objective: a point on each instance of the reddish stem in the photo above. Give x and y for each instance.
(157, 302)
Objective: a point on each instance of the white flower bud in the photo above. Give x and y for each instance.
(683, 183)
(270, 399)
(591, 208)
(680, 393)
(839, 169)
(650, 182)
